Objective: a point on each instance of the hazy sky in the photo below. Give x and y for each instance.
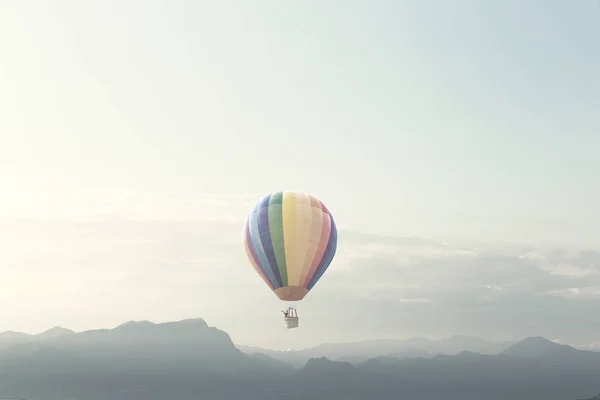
(136, 135)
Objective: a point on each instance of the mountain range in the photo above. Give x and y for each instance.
(190, 360)
(400, 348)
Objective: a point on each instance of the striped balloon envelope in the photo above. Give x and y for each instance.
(290, 239)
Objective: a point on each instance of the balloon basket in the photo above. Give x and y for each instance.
(290, 320)
(290, 323)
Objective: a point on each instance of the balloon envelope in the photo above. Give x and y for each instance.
(290, 239)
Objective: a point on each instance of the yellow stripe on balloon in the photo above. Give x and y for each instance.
(289, 212)
(314, 237)
(303, 222)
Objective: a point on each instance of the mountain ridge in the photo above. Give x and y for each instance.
(189, 359)
(384, 347)
(597, 397)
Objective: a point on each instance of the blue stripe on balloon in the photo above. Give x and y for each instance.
(260, 252)
(265, 237)
(252, 250)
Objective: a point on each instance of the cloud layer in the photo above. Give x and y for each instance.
(498, 292)
(96, 273)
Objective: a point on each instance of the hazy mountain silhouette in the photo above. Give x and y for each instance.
(55, 332)
(407, 348)
(597, 397)
(190, 360)
(11, 338)
(540, 347)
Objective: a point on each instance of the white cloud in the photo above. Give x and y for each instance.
(354, 247)
(532, 255)
(493, 291)
(567, 270)
(577, 293)
(590, 346)
(86, 274)
(415, 300)
(99, 205)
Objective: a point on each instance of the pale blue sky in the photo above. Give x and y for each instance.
(407, 117)
(475, 120)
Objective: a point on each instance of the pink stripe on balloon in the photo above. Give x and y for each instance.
(315, 203)
(325, 231)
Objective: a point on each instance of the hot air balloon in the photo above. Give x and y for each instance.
(290, 239)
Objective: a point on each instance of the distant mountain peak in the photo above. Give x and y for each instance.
(147, 324)
(537, 346)
(322, 366)
(191, 321)
(136, 324)
(538, 341)
(320, 361)
(55, 332)
(465, 337)
(12, 335)
(471, 354)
